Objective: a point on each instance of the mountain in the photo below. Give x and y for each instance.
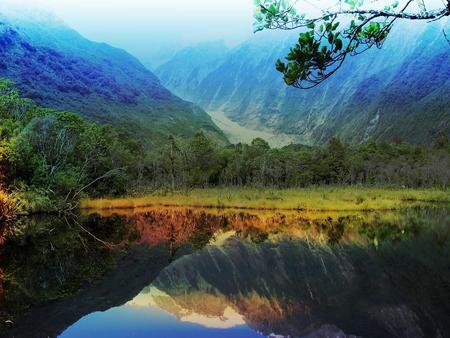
(188, 68)
(58, 68)
(397, 93)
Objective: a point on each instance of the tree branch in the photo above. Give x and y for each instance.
(108, 174)
(430, 15)
(322, 49)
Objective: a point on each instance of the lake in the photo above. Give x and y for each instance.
(177, 272)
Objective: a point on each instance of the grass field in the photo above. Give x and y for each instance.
(310, 199)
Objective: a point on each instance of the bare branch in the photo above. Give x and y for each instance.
(445, 36)
(106, 175)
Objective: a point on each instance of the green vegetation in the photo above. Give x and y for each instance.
(199, 163)
(308, 199)
(8, 205)
(49, 158)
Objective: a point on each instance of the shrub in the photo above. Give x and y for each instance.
(8, 207)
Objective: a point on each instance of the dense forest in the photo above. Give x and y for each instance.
(50, 159)
(199, 163)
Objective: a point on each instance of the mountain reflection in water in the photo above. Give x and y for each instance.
(214, 273)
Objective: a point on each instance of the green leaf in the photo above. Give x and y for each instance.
(281, 67)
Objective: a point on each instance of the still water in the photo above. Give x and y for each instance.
(221, 273)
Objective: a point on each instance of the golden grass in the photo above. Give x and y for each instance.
(309, 199)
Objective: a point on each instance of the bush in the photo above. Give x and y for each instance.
(8, 207)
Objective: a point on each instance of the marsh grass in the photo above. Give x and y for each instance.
(309, 199)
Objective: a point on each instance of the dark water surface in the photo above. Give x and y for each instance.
(208, 273)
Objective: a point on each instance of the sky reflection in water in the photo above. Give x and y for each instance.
(145, 322)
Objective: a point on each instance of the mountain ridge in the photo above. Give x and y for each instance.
(58, 68)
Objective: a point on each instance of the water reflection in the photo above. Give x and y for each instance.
(212, 273)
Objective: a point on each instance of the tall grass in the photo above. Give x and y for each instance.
(309, 199)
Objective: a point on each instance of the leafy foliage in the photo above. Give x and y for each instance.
(325, 43)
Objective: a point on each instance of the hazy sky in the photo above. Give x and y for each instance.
(153, 29)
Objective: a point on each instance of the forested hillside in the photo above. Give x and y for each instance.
(58, 68)
(397, 93)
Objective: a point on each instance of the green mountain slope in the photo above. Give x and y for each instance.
(58, 68)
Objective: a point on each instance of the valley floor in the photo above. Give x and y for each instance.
(240, 134)
(308, 199)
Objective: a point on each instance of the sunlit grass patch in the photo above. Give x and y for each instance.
(308, 199)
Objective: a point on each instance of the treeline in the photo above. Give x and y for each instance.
(199, 163)
(49, 159)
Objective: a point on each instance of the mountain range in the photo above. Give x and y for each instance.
(58, 68)
(397, 93)
(290, 288)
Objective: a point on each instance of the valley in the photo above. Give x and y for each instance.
(239, 134)
(165, 173)
(364, 100)
(57, 68)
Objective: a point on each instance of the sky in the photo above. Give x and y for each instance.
(153, 30)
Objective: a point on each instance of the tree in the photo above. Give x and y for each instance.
(442, 141)
(332, 163)
(349, 28)
(203, 160)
